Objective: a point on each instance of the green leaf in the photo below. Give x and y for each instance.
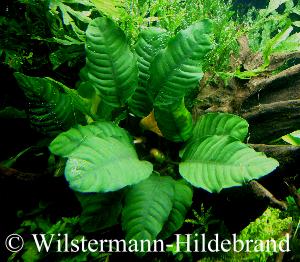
(296, 23)
(99, 210)
(183, 198)
(175, 122)
(71, 54)
(218, 162)
(51, 108)
(274, 4)
(103, 165)
(12, 113)
(292, 138)
(65, 143)
(296, 9)
(112, 67)
(178, 68)
(84, 87)
(291, 44)
(112, 8)
(149, 43)
(70, 16)
(147, 208)
(220, 124)
(83, 105)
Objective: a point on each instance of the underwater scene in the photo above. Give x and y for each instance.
(150, 130)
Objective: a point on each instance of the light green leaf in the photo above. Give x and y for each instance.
(149, 43)
(112, 8)
(220, 124)
(103, 165)
(112, 67)
(147, 208)
(296, 9)
(296, 23)
(178, 68)
(175, 122)
(218, 162)
(51, 107)
(99, 210)
(65, 143)
(292, 138)
(274, 4)
(183, 197)
(291, 44)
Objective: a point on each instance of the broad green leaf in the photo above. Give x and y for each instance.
(220, 124)
(65, 143)
(51, 107)
(140, 104)
(218, 162)
(149, 43)
(112, 67)
(175, 122)
(112, 8)
(83, 105)
(84, 87)
(178, 68)
(103, 165)
(147, 208)
(99, 210)
(182, 201)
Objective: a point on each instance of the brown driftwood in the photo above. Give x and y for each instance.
(261, 192)
(270, 103)
(14, 174)
(294, 193)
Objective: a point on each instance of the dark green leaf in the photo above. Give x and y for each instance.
(112, 67)
(175, 122)
(183, 196)
(99, 210)
(147, 208)
(150, 42)
(50, 108)
(178, 68)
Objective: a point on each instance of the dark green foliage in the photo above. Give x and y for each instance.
(111, 66)
(149, 43)
(99, 211)
(51, 109)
